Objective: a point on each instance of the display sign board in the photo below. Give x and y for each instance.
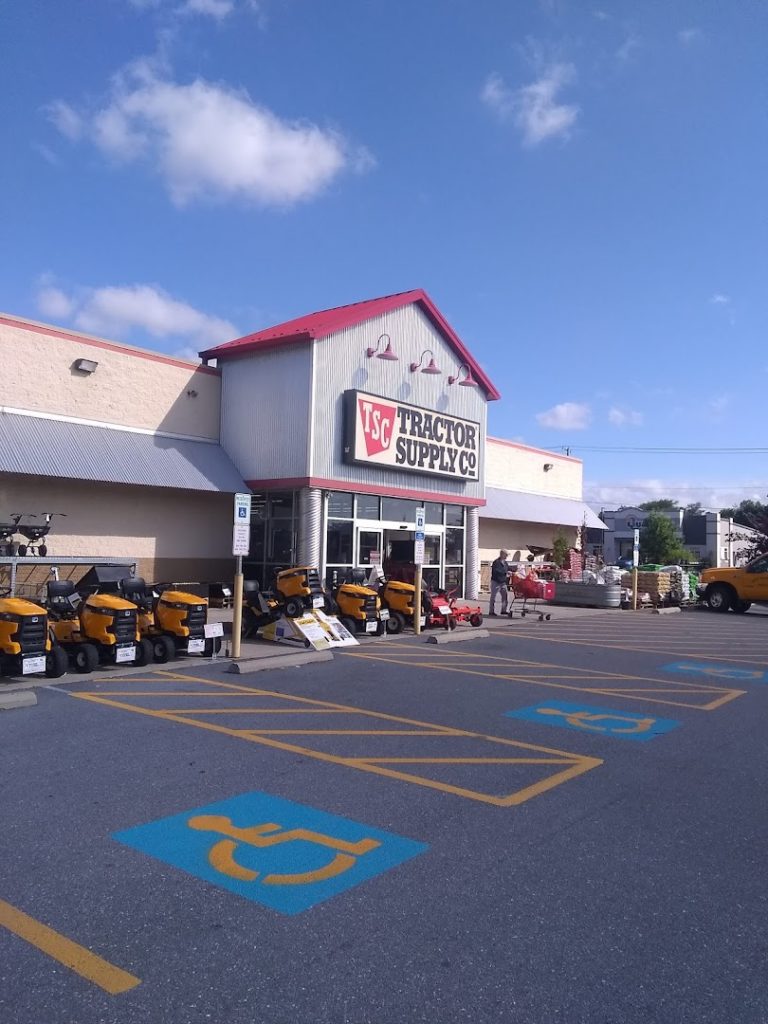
(241, 538)
(636, 549)
(242, 508)
(396, 435)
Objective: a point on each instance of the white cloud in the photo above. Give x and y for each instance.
(622, 417)
(55, 303)
(566, 416)
(627, 48)
(634, 491)
(217, 9)
(719, 404)
(208, 141)
(689, 36)
(719, 299)
(117, 311)
(65, 119)
(534, 108)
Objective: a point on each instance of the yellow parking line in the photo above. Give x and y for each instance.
(77, 958)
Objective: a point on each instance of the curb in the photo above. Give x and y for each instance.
(665, 611)
(455, 637)
(17, 699)
(244, 665)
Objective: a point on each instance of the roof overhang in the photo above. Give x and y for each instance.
(519, 506)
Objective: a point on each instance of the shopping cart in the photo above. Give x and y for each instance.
(526, 592)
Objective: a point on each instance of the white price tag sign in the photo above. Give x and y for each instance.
(195, 646)
(123, 654)
(30, 665)
(214, 629)
(371, 627)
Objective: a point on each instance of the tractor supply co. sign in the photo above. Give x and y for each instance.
(381, 432)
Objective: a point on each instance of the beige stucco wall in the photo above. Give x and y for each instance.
(130, 387)
(515, 537)
(515, 467)
(175, 535)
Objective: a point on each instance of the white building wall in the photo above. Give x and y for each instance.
(266, 400)
(130, 386)
(518, 467)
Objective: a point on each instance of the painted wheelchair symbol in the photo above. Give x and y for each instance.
(221, 856)
(599, 722)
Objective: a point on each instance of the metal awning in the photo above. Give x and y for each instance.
(518, 506)
(36, 446)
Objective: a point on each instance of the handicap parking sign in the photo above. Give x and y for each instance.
(278, 853)
(622, 725)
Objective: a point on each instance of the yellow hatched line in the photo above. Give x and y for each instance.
(72, 955)
(727, 694)
(574, 764)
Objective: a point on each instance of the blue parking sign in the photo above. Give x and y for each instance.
(275, 852)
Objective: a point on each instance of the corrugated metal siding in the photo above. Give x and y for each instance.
(265, 412)
(341, 363)
(76, 451)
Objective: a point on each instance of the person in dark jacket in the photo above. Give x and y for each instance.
(499, 576)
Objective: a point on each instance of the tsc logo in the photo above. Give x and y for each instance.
(378, 422)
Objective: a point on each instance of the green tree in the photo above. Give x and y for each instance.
(560, 548)
(658, 504)
(746, 512)
(660, 543)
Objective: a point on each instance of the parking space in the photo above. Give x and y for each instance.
(548, 824)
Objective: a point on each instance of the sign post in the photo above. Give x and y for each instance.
(241, 542)
(635, 563)
(418, 558)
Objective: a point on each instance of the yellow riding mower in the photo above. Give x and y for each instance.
(172, 622)
(260, 607)
(98, 629)
(358, 607)
(26, 645)
(398, 598)
(299, 590)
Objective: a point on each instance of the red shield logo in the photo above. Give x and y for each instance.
(378, 423)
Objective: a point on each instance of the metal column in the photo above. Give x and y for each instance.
(310, 523)
(472, 554)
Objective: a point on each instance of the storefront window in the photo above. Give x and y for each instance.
(339, 546)
(454, 546)
(454, 515)
(433, 513)
(340, 505)
(398, 510)
(431, 550)
(368, 506)
(454, 579)
(369, 551)
(281, 505)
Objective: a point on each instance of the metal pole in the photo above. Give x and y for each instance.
(417, 602)
(634, 589)
(237, 607)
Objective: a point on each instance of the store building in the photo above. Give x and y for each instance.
(343, 422)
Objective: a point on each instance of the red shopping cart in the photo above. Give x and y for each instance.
(526, 592)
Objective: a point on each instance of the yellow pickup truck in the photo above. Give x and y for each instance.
(736, 589)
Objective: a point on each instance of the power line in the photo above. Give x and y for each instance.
(567, 449)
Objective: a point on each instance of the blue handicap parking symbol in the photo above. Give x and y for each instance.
(284, 855)
(736, 673)
(622, 725)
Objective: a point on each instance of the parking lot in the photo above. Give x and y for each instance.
(563, 822)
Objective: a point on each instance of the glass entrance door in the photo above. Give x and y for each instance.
(369, 547)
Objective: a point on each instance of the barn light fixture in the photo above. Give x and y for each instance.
(387, 353)
(468, 382)
(431, 366)
(548, 466)
(86, 365)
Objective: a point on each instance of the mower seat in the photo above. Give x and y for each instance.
(135, 589)
(59, 593)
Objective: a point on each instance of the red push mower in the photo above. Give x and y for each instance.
(529, 590)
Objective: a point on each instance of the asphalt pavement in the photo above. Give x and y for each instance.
(563, 822)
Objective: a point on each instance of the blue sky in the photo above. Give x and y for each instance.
(579, 187)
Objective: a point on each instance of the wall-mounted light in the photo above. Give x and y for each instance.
(548, 466)
(191, 393)
(468, 381)
(86, 365)
(431, 366)
(386, 353)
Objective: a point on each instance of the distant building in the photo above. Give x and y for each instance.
(708, 536)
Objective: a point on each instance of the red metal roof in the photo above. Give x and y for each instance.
(328, 321)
